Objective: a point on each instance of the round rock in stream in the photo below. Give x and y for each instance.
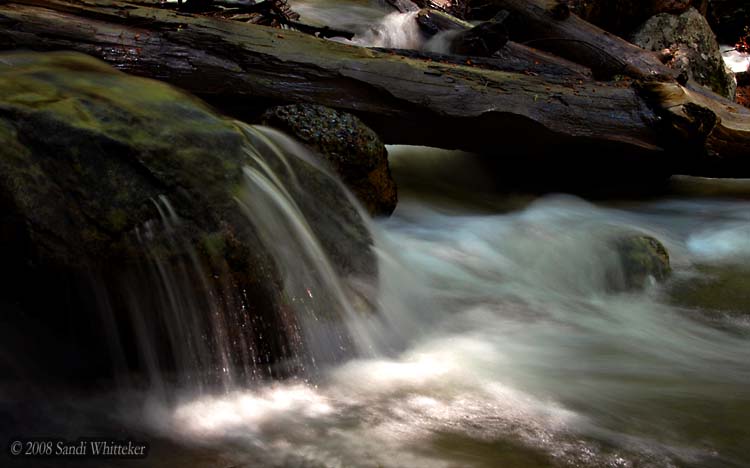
(352, 149)
(641, 258)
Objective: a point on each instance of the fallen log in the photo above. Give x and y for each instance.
(403, 6)
(700, 119)
(514, 58)
(462, 38)
(549, 25)
(456, 8)
(406, 100)
(432, 22)
(483, 39)
(509, 56)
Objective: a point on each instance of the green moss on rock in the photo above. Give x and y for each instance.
(641, 258)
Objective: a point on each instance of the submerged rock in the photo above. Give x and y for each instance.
(353, 150)
(641, 258)
(714, 289)
(692, 47)
(127, 181)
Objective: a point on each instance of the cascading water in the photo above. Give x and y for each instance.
(291, 223)
(488, 337)
(513, 351)
(484, 333)
(195, 328)
(374, 24)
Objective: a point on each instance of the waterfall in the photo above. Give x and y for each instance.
(515, 350)
(194, 326)
(395, 30)
(294, 224)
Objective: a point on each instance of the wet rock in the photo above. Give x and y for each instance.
(351, 148)
(642, 258)
(103, 174)
(691, 46)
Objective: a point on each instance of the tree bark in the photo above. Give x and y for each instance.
(407, 100)
(549, 25)
(483, 39)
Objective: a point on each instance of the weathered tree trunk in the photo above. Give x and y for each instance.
(549, 25)
(455, 8)
(512, 56)
(410, 100)
(435, 21)
(484, 39)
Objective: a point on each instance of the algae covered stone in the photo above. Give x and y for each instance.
(117, 188)
(642, 258)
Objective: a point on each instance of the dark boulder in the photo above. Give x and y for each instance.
(692, 49)
(121, 193)
(351, 148)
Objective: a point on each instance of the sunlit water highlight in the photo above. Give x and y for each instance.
(374, 23)
(735, 60)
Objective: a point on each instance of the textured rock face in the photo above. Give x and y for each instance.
(692, 46)
(85, 151)
(353, 150)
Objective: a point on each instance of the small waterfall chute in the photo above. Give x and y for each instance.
(194, 324)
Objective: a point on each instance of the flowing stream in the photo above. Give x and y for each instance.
(491, 337)
(375, 23)
(505, 346)
(494, 338)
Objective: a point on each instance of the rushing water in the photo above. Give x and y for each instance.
(507, 348)
(494, 338)
(491, 336)
(374, 23)
(735, 60)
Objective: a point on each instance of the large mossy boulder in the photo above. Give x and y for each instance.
(351, 148)
(692, 47)
(85, 151)
(105, 176)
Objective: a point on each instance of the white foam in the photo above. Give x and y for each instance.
(729, 243)
(736, 61)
